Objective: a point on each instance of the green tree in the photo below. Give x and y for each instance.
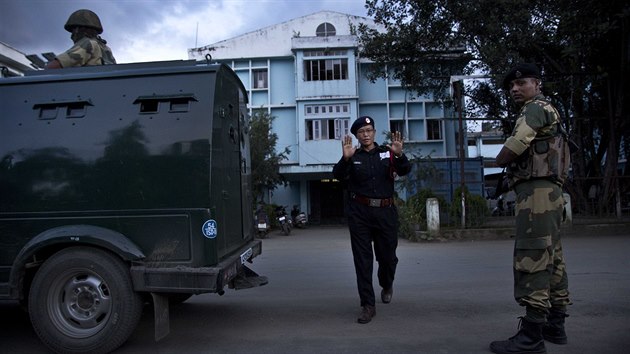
(415, 49)
(265, 159)
(582, 47)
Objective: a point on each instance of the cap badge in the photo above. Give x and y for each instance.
(367, 120)
(518, 74)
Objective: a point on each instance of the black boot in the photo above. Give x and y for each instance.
(553, 330)
(367, 312)
(528, 339)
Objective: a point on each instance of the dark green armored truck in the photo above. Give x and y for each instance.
(122, 185)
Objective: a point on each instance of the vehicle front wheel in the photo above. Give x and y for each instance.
(285, 229)
(82, 300)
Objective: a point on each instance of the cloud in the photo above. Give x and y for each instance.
(150, 30)
(170, 36)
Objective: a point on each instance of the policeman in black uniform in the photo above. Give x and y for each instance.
(369, 171)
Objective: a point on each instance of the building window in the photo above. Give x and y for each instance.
(342, 128)
(259, 78)
(397, 126)
(434, 129)
(312, 109)
(326, 69)
(325, 30)
(325, 53)
(327, 129)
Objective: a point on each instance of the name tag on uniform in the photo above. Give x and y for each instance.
(384, 155)
(356, 162)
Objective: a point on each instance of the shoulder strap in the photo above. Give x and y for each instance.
(392, 168)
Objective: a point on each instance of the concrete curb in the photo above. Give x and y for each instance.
(504, 229)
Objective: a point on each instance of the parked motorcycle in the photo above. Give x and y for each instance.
(261, 220)
(299, 217)
(283, 220)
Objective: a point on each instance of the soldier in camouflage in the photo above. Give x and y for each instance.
(89, 48)
(536, 157)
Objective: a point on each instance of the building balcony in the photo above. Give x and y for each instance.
(301, 43)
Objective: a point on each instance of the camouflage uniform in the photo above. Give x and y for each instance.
(537, 175)
(87, 51)
(88, 48)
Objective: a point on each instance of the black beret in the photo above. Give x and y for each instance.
(521, 71)
(361, 122)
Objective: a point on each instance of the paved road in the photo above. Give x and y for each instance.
(449, 298)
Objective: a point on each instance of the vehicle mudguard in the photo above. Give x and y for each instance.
(75, 235)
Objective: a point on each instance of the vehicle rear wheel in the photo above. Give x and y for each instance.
(82, 300)
(285, 229)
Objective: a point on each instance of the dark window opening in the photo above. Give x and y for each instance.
(326, 69)
(327, 129)
(149, 106)
(434, 129)
(397, 126)
(259, 78)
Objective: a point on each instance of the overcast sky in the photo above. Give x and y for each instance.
(149, 30)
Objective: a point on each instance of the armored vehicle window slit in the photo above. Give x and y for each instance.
(76, 110)
(149, 106)
(179, 105)
(47, 112)
(72, 108)
(176, 103)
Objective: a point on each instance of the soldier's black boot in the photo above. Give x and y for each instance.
(553, 330)
(527, 340)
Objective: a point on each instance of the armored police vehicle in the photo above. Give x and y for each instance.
(122, 185)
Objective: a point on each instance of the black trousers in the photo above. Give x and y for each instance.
(378, 226)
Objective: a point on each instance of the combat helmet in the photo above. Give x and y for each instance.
(84, 18)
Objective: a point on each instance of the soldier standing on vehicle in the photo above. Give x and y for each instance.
(89, 48)
(369, 171)
(537, 159)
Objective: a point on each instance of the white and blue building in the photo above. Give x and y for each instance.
(308, 74)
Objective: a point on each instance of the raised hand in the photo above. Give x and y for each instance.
(348, 148)
(397, 144)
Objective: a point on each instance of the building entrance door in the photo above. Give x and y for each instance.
(327, 198)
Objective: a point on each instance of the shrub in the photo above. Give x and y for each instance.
(476, 208)
(413, 214)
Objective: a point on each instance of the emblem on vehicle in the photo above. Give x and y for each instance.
(209, 229)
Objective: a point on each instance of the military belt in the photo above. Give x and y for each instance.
(373, 202)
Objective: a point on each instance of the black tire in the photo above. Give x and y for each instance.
(82, 300)
(286, 229)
